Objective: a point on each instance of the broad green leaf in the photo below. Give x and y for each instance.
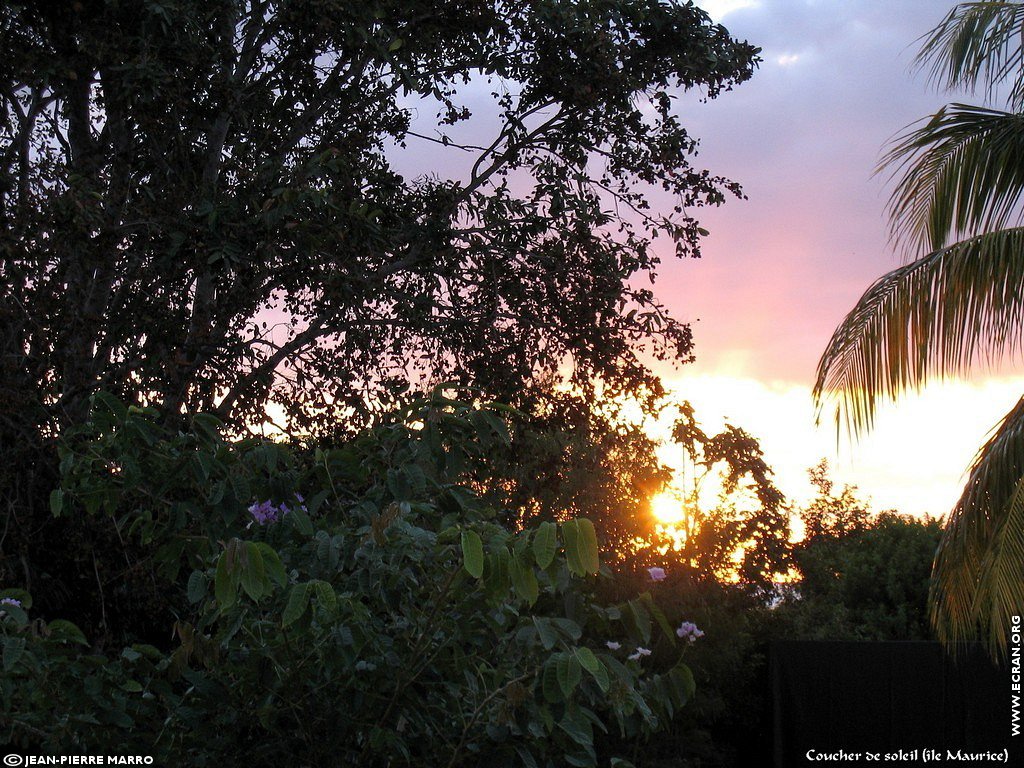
(682, 679)
(526, 756)
(326, 596)
(593, 665)
(571, 538)
(56, 501)
(547, 634)
(578, 728)
(196, 587)
(659, 616)
(16, 613)
(224, 585)
(524, 581)
(497, 574)
(111, 403)
(300, 520)
(298, 601)
(569, 673)
(589, 554)
(253, 575)
(549, 683)
(64, 630)
(13, 649)
(472, 554)
(641, 620)
(587, 659)
(272, 564)
(545, 541)
(207, 426)
(600, 675)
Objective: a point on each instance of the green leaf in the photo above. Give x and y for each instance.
(253, 574)
(298, 601)
(549, 685)
(63, 630)
(578, 728)
(207, 427)
(326, 596)
(14, 647)
(571, 538)
(682, 680)
(569, 673)
(272, 564)
(111, 403)
(196, 587)
(641, 619)
(56, 501)
(224, 584)
(659, 616)
(589, 554)
(301, 522)
(600, 675)
(546, 633)
(587, 659)
(472, 554)
(545, 541)
(593, 665)
(524, 581)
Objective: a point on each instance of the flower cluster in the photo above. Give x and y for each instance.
(10, 601)
(688, 631)
(635, 656)
(264, 512)
(657, 574)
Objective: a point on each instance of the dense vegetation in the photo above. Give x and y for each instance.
(213, 217)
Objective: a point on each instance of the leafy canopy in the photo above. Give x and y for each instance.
(209, 205)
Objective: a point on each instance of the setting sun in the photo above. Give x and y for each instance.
(667, 508)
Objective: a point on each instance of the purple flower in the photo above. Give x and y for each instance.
(10, 601)
(657, 574)
(639, 652)
(688, 631)
(612, 645)
(264, 512)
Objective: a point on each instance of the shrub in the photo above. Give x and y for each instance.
(351, 604)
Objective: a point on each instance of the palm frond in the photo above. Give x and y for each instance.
(962, 174)
(978, 577)
(937, 315)
(978, 43)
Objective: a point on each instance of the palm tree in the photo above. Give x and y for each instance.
(959, 300)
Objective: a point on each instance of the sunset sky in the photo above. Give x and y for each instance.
(781, 269)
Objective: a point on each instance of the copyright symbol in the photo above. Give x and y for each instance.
(13, 759)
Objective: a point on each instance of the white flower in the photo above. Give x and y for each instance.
(639, 652)
(657, 574)
(612, 645)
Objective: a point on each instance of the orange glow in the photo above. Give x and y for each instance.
(667, 509)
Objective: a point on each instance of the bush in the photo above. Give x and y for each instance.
(352, 604)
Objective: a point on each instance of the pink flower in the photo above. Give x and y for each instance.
(657, 574)
(688, 631)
